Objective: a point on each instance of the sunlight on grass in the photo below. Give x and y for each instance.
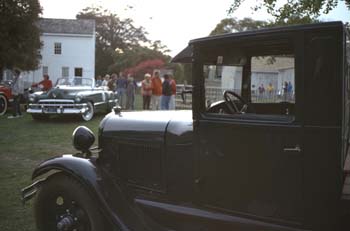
(24, 143)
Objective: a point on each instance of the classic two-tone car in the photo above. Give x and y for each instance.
(77, 96)
(236, 163)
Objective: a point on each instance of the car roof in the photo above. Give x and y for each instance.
(269, 31)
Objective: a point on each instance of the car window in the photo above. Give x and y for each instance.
(219, 78)
(256, 86)
(272, 79)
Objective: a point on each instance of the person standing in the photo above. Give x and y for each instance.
(156, 91)
(285, 90)
(130, 93)
(105, 80)
(173, 92)
(166, 93)
(146, 91)
(45, 84)
(112, 82)
(270, 90)
(121, 89)
(290, 90)
(17, 89)
(98, 81)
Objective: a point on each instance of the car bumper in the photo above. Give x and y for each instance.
(57, 108)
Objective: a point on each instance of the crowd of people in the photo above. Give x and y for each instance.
(156, 94)
(271, 92)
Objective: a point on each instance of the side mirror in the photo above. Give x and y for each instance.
(83, 138)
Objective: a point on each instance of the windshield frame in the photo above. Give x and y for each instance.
(75, 82)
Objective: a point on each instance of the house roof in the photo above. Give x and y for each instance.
(67, 26)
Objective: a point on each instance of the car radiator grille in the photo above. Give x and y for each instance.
(55, 103)
(139, 164)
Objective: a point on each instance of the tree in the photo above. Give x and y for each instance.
(119, 44)
(19, 34)
(229, 25)
(113, 32)
(134, 56)
(144, 67)
(295, 11)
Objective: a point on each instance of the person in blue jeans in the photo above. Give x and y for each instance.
(121, 89)
(166, 93)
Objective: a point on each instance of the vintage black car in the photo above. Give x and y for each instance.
(242, 159)
(75, 96)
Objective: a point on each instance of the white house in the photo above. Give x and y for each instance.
(68, 49)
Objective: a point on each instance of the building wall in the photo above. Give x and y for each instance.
(77, 51)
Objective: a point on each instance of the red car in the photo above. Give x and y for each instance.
(5, 97)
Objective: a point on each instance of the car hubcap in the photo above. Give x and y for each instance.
(88, 114)
(70, 217)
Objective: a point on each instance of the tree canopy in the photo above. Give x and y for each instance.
(119, 44)
(229, 25)
(294, 11)
(19, 35)
(113, 32)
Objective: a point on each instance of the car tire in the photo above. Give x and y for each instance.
(3, 105)
(62, 203)
(89, 114)
(40, 117)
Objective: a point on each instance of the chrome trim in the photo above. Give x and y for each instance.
(58, 111)
(99, 103)
(56, 100)
(58, 105)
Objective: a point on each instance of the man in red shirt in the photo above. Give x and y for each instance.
(45, 84)
(156, 91)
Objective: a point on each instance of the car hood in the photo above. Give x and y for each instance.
(146, 125)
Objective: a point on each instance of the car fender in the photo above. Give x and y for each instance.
(88, 174)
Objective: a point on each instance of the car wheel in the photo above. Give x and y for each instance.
(40, 117)
(3, 104)
(62, 203)
(89, 112)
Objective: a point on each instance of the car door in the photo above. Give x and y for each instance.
(250, 164)
(251, 167)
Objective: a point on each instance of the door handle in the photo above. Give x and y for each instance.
(292, 149)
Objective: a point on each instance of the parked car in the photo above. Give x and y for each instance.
(5, 96)
(77, 96)
(233, 164)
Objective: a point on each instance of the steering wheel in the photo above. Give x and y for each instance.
(231, 105)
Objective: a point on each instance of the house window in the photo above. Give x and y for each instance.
(58, 48)
(65, 72)
(45, 70)
(78, 72)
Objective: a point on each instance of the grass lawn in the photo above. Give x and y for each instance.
(24, 143)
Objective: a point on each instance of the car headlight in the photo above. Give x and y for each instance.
(32, 98)
(78, 98)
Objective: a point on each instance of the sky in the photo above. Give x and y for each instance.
(174, 22)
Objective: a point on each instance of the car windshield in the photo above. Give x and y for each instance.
(75, 82)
